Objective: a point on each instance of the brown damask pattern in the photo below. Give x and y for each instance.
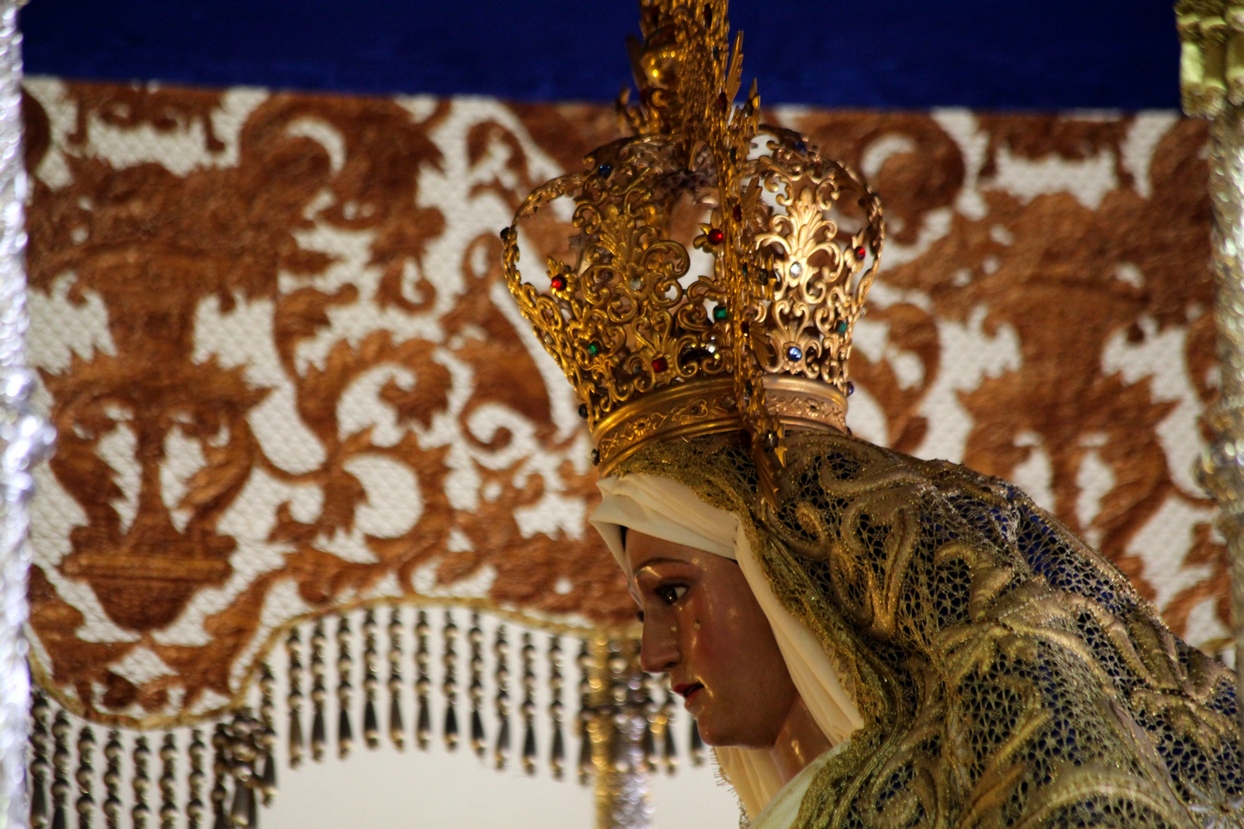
(156, 248)
(286, 378)
(1070, 279)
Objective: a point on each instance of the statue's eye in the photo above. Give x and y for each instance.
(671, 593)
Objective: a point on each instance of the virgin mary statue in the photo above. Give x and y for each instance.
(867, 639)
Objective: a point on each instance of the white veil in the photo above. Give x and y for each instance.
(666, 509)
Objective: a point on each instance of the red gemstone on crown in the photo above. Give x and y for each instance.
(660, 364)
(558, 283)
(859, 252)
(716, 236)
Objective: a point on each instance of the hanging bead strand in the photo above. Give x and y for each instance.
(241, 757)
(267, 733)
(423, 684)
(60, 770)
(501, 675)
(293, 650)
(345, 665)
(669, 750)
(397, 730)
(112, 780)
(319, 692)
(529, 704)
(696, 749)
(648, 741)
(85, 777)
(371, 682)
(449, 685)
(220, 772)
(41, 761)
(479, 743)
(168, 782)
(557, 756)
(141, 783)
(194, 800)
(615, 682)
(585, 714)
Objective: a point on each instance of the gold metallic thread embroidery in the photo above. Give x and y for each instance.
(1007, 674)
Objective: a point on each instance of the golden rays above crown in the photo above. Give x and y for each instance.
(717, 266)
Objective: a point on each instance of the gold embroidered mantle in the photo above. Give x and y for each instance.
(1007, 674)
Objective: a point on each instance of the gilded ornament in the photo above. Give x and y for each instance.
(659, 344)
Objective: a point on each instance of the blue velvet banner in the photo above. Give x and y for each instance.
(982, 54)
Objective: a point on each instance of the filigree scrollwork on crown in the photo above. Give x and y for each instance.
(677, 67)
(628, 319)
(623, 320)
(821, 269)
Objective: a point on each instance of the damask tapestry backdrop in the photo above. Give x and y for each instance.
(286, 376)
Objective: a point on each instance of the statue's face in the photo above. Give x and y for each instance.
(703, 627)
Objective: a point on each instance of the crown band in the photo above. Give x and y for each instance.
(708, 407)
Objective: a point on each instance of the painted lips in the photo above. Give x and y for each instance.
(687, 691)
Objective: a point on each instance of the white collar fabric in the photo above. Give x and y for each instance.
(661, 508)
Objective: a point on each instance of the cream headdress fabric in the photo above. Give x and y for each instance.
(666, 509)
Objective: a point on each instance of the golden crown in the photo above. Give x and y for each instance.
(752, 332)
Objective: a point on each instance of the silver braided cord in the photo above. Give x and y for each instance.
(25, 438)
(1212, 86)
(1222, 464)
